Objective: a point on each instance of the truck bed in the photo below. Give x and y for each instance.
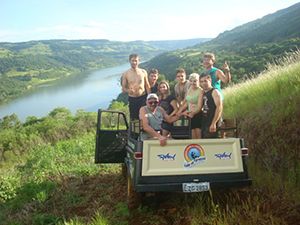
(187, 157)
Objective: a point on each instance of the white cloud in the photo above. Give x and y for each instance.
(90, 30)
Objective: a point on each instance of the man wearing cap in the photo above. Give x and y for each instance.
(135, 83)
(151, 117)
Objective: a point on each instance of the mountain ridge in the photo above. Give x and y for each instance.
(282, 19)
(248, 48)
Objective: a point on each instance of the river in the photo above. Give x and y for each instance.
(88, 91)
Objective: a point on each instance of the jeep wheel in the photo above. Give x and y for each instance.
(133, 198)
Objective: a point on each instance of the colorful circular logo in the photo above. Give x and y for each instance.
(192, 152)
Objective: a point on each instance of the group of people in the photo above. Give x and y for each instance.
(199, 98)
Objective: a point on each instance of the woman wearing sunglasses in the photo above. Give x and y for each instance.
(151, 117)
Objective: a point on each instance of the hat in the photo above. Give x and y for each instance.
(152, 95)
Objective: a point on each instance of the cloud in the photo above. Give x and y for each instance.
(90, 30)
(6, 35)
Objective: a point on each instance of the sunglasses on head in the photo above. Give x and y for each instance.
(153, 102)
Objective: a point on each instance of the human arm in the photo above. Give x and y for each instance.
(219, 108)
(199, 104)
(169, 118)
(225, 76)
(147, 128)
(124, 83)
(147, 84)
(175, 107)
(182, 108)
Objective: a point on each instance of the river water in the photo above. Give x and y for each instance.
(86, 91)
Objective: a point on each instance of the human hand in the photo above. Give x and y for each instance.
(191, 114)
(225, 67)
(162, 140)
(185, 113)
(212, 128)
(176, 116)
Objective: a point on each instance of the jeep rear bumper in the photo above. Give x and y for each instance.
(177, 187)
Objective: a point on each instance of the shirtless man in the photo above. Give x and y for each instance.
(135, 83)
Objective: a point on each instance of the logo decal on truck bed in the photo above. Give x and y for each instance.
(166, 157)
(193, 155)
(224, 155)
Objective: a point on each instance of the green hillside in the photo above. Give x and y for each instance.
(27, 64)
(49, 175)
(247, 48)
(268, 112)
(284, 24)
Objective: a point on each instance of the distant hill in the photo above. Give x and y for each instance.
(283, 24)
(247, 48)
(27, 64)
(177, 44)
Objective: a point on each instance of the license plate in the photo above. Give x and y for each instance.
(195, 187)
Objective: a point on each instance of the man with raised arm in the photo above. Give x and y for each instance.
(211, 109)
(135, 83)
(216, 74)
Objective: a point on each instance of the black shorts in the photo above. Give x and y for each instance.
(205, 129)
(135, 103)
(206, 134)
(196, 121)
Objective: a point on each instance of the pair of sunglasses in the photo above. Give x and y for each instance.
(153, 102)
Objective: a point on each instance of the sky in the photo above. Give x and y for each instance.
(127, 20)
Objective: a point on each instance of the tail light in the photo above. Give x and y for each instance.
(138, 155)
(245, 151)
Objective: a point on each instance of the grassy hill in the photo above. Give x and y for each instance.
(268, 111)
(284, 24)
(56, 182)
(248, 48)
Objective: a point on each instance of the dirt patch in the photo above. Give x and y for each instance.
(82, 197)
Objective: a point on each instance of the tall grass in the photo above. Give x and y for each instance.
(268, 108)
(280, 82)
(268, 111)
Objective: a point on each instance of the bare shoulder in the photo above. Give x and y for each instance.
(126, 73)
(216, 93)
(219, 72)
(143, 71)
(142, 109)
